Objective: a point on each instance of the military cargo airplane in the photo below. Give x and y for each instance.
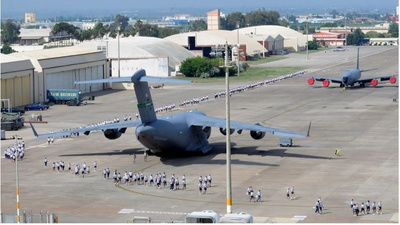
(169, 134)
(351, 77)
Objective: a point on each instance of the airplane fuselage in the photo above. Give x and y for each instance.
(351, 77)
(171, 134)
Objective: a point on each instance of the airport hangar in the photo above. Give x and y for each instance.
(58, 68)
(294, 41)
(157, 56)
(16, 80)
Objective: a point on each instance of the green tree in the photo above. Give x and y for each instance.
(99, 30)
(148, 30)
(394, 30)
(63, 27)
(292, 19)
(166, 31)
(262, 17)
(312, 45)
(283, 23)
(129, 31)
(329, 25)
(355, 38)
(293, 27)
(86, 35)
(231, 20)
(198, 25)
(122, 21)
(10, 32)
(6, 49)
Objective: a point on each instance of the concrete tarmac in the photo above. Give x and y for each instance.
(361, 122)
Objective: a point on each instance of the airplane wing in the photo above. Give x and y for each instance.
(86, 130)
(207, 121)
(382, 78)
(333, 80)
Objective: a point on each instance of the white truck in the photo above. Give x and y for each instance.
(205, 216)
(240, 217)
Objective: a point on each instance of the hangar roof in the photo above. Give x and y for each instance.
(63, 56)
(34, 33)
(218, 37)
(13, 64)
(141, 47)
(272, 30)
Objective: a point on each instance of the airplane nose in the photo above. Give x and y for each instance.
(144, 130)
(345, 80)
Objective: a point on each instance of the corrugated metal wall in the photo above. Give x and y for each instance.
(17, 89)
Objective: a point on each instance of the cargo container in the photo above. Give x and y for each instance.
(62, 96)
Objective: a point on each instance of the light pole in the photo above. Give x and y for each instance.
(228, 137)
(307, 37)
(16, 137)
(238, 47)
(119, 63)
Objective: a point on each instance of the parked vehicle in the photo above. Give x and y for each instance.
(11, 121)
(13, 110)
(241, 217)
(339, 49)
(287, 142)
(62, 96)
(205, 216)
(36, 107)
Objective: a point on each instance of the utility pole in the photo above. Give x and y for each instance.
(16, 137)
(228, 137)
(345, 30)
(307, 37)
(238, 47)
(119, 63)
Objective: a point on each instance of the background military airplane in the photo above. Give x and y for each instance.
(351, 77)
(169, 134)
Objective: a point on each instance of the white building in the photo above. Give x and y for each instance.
(157, 56)
(16, 80)
(59, 68)
(34, 36)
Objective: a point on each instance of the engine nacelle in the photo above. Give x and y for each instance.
(257, 135)
(223, 131)
(311, 81)
(207, 130)
(374, 82)
(392, 80)
(326, 83)
(112, 134)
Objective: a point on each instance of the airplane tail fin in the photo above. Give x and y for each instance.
(358, 58)
(142, 91)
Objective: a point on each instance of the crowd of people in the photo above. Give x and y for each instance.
(250, 193)
(257, 84)
(59, 166)
(166, 108)
(16, 151)
(193, 101)
(365, 209)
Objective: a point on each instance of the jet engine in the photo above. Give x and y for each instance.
(374, 82)
(223, 131)
(310, 81)
(207, 130)
(257, 135)
(326, 83)
(392, 80)
(114, 133)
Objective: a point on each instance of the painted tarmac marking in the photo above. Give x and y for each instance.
(126, 211)
(298, 218)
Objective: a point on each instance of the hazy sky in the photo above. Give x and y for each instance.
(72, 7)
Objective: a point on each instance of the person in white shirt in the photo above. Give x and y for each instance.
(380, 207)
(200, 188)
(205, 188)
(209, 178)
(259, 196)
(45, 161)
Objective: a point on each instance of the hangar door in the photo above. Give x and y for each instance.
(17, 89)
(66, 79)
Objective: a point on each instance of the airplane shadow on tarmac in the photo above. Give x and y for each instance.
(218, 148)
